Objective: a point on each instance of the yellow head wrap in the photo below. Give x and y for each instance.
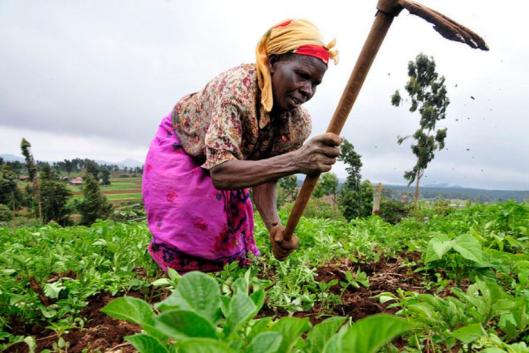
(284, 38)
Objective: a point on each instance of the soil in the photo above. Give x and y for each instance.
(100, 333)
(104, 334)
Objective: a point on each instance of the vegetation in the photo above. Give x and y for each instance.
(356, 196)
(427, 92)
(445, 280)
(94, 204)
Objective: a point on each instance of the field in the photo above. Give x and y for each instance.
(444, 280)
(119, 190)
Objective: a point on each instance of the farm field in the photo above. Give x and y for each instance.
(120, 189)
(445, 280)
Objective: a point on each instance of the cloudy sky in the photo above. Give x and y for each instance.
(94, 78)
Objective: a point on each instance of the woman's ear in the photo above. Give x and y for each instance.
(272, 60)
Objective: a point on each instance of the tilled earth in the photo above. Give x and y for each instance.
(104, 334)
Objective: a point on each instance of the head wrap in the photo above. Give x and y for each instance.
(291, 36)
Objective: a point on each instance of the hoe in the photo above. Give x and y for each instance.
(386, 11)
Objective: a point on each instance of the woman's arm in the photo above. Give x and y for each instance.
(315, 156)
(265, 199)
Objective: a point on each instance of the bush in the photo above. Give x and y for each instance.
(5, 213)
(323, 207)
(393, 211)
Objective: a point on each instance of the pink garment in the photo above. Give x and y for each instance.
(194, 225)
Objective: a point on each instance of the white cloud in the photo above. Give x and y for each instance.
(95, 78)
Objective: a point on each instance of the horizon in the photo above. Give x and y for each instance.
(95, 79)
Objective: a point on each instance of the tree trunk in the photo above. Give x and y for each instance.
(416, 199)
(377, 197)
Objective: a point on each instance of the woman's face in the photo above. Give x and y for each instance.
(294, 80)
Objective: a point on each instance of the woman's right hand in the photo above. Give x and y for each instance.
(318, 154)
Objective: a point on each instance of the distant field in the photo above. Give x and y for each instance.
(119, 190)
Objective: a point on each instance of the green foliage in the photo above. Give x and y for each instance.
(9, 192)
(393, 211)
(288, 186)
(427, 92)
(220, 323)
(5, 214)
(54, 194)
(356, 202)
(94, 205)
(356, 197)
(465, 270)
(327, 185)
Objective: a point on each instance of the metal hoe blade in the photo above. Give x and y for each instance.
(445, 26)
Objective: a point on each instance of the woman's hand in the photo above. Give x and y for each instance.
(281, 248)
(318, 154)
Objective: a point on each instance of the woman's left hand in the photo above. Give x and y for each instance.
(281, 248)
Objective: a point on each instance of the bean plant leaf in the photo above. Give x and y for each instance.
(322, 332)
(469, 333)
(146, 344)
(291, 328)
(371, 333)
(196, 291)
(130, 309)
(182, 324)
(437, 247)
(203, 345)
(241, 308)
(468, 247)
(265, 342)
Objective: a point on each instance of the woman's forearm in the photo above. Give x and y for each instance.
(237, 174)
(265, 199)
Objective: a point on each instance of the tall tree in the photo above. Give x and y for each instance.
(55, 196)
(289, 185)
(327, 185)
(105, 176)
(32, 172)
(428, 95)
(353, 200)
(94, 204)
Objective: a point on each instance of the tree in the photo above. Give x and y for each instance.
(94, 204)
(427, 92)
(289, 185)
(55, 196)
(10, 195)
(355, 199)
(327, 185)
(105, 176)
(92, 168)
(32, 172)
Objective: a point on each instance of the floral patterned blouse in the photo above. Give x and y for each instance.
(225, 121)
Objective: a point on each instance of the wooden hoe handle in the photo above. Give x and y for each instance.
(387, 10)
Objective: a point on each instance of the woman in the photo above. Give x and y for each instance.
(244, 129)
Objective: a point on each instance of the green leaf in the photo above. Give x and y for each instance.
(203, 345)
(469, 333)
(199, 292)
(437, 247)
(130, 309)
(52, 290)
(183, 324)
(291, 329)
(146, 344)
(265, 342)
(241, 308)
(322, 332)
(258, 298)
(469, 247)
(371, 333)
(196, 291)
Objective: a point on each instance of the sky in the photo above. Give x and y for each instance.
(93, 79)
